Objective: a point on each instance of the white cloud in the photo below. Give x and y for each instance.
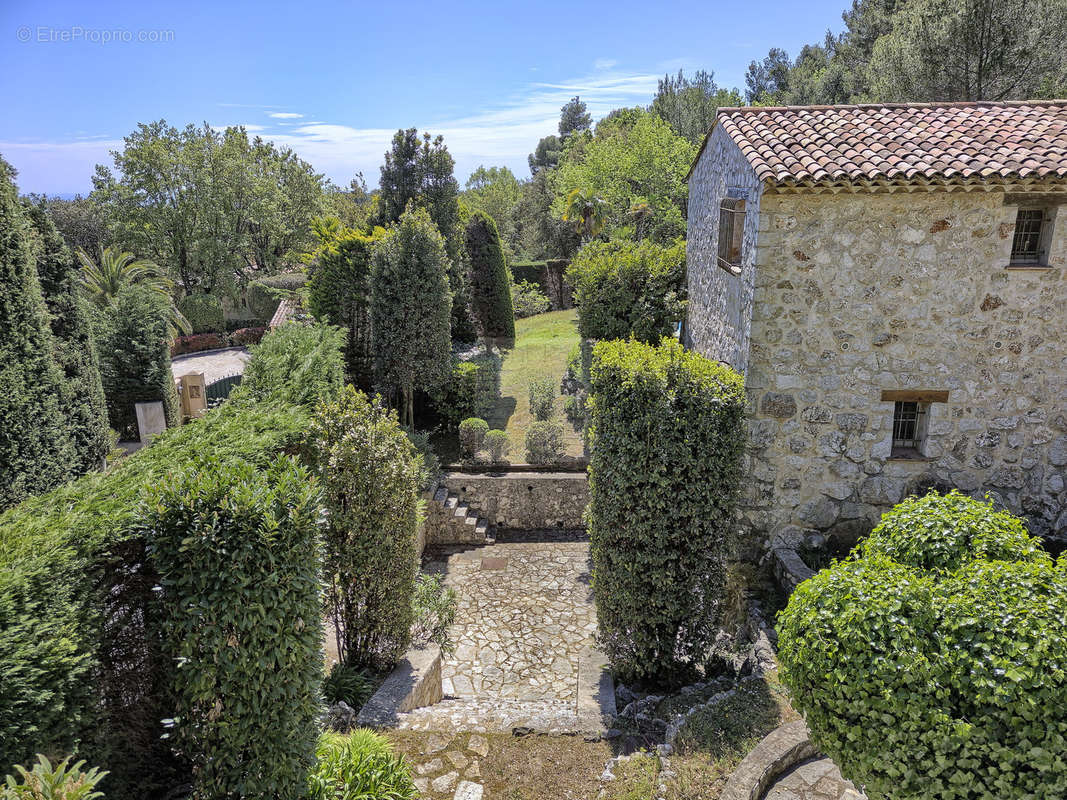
(604, 63)
(284, 115)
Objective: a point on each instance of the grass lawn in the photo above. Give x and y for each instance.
(542, 344)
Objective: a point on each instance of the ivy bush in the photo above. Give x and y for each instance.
(544, 443)
(542, 398)
(359, 766)
(204, 312)
(931, 662)
(237, 551)
(628, 288)
(472, 433)
(498, 444)
(369, 473)
(664, 478)
(296, 363)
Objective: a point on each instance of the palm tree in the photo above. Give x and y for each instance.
(587, 211)
(640, 212)
(114, 270)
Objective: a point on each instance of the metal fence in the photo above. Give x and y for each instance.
(219, 390)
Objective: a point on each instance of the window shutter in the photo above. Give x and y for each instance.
(731, 232)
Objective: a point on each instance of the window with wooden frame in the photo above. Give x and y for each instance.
(1032, 237)
(731, 233)
(911, 415)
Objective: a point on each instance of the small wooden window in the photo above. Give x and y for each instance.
(1030, 243)
(731, 233)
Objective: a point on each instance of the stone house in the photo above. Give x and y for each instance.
(892, 282)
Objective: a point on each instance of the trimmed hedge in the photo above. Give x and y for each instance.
(79, 668)
(472, 433)
(264, 294)
(498, 444)
(664, 477)
(204, 312)
(237, 552)
(542, 398)
(296, 363)
(490, 279)
(544, 443)
(198, 342)
(629, 288)
(931, 663)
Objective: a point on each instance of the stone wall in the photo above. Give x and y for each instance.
(720, 302)
(860, 293)
(524, 500)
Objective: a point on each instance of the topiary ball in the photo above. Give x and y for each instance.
(933, 662)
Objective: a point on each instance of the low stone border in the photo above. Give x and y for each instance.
(790, 568)
(781, 749)
(414, 682)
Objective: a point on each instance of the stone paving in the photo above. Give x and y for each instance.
(524, 635)
(450, 767)
(815, 779)
(214, 364)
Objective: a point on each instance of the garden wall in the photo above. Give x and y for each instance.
(527, 501)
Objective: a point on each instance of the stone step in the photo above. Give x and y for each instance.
(452, 501)
(441, 495)
(461, 509)
(471, 521)
(482, 527)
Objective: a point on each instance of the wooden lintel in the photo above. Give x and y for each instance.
(914, 396)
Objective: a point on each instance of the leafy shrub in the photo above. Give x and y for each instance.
(430, 471)
(264, 294)
(64, 781)
(197, 343)
(498, 444)
(471, 390)
(243, 337)
(230, 542)
(544, 443)
(296, 363)
(472, 435)
(79, 666)
(135, 358)
(542, 398)
(490, 279)
(359, 766)
(204, 312)
(369, 473)
(528, 300)
(624, 288)
(348, 684)
(945, 650)
(433, 607)
(664, 478)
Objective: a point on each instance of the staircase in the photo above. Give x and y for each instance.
(452, 521)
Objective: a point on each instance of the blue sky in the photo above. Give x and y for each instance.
(335, 81)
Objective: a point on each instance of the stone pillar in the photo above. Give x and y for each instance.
(194, 395)
(151, 420)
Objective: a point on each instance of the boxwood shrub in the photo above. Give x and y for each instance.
(933, 661)
(663, 479)
(238, 558)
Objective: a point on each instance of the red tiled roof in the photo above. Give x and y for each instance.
(902, 142)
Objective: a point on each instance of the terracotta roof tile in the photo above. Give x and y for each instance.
(805, 144)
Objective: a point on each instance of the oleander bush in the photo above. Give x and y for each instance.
(369, 472)
(204, 312)
(544, 443)
(237, 554)
(498, 444)
(359, 766)
(472, 433)
(433, 607)
(664, 478)
(296, 363)
(542, 398)
(930, 663)
(629, 288)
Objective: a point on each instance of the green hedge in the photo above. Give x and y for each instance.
(490, 279)
(296, 363)
(204, 312)
(664, 478)
(931, 663)
(237, 552)
(471, 391)
(78, 670)
(629, 288)
(532, 271)
(264, 294)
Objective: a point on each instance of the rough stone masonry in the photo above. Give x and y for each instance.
(842, 297)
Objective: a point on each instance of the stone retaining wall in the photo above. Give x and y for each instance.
(525, 501)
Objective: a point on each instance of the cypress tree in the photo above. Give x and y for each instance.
(82, 400)
(490, 282)
(36, 452)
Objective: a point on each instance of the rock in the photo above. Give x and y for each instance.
(776, 404)
(478, 744)
(445, 782)
(340, 717)
(435, 744)
(820, 513)
(611, 733)
(430, 767)
(664, 749)
(521, 730)
(459, 761)
(1057, 452)
(468, 790)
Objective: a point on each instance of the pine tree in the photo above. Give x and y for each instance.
(36, 452)
(411, 307)
(490, 281)
(82, 404)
